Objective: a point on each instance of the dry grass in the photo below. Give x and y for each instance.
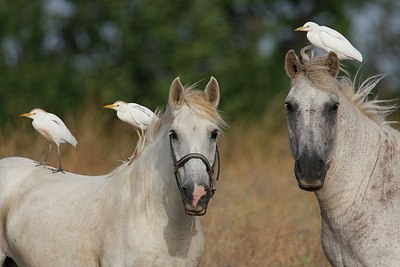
(258, 216)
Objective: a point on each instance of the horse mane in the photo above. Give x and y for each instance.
(198, 103)
(317, 72)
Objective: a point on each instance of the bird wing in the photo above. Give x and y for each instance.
(142, 109)
(59, 130)
(140, 114)
(338, 43)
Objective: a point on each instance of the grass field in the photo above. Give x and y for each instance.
(258, 216)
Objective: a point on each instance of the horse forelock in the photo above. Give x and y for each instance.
(316, 71)
(197, 102)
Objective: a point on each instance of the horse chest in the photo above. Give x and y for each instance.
(163, 247)
(366, 238)
(153, 255)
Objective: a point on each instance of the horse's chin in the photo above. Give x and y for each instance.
(195, 211)
(316, 185)
(310, 189)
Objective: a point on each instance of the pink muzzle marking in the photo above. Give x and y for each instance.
(198, 192)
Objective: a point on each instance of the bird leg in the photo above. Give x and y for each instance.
(59, 162)
(45, 159)
(140, 135)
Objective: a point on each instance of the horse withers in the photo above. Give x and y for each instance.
(347, 153)
(137, 215)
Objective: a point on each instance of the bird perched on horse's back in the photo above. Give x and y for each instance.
(136, 115)
(53, 129)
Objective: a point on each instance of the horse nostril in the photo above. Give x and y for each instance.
(207, 189)
(184, 189)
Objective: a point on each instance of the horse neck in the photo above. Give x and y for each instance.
(359, 153)
(153, 183)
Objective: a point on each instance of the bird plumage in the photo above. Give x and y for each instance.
(132, 113)
(136, 115)
(329, 39)
(52, 128)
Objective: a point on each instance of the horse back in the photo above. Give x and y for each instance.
(35, 204)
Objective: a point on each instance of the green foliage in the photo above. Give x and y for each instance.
(56, 53)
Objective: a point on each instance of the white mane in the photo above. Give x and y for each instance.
(376, 109)
(197, 102)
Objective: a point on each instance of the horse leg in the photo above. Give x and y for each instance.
(8, 262)
(2, 259)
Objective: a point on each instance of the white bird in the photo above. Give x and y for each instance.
(330, 40)
(136, 115)
(53, 129)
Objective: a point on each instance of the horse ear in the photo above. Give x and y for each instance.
(332, 62)
(292, 64)
(176, 93)
(212, 91)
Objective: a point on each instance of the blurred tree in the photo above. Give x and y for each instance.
(378, 35)
(56, 53)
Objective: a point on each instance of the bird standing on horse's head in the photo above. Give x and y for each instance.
(329, 40)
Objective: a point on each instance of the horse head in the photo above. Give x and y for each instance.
(193, 136)
(312, 109)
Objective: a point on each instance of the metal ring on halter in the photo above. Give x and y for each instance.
(210, 168)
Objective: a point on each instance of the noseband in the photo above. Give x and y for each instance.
(210, 168)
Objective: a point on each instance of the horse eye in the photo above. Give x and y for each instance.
(214, 134)
(335, 107)
(288, 106)
(173, 134)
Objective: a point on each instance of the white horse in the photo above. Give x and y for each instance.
(132, 216)
(348, 155)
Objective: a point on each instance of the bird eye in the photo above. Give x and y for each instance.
(173, 134)
(214, 134)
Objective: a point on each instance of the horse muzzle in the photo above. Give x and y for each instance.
(195, 196)
(310, 173)
(195, 199)
(195, 211)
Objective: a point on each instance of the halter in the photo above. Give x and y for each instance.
(210, 168)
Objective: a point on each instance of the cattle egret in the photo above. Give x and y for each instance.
(330, 40)
(136, 115)
(53, 129)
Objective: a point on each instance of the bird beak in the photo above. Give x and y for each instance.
(300, 29)
(26, 115)
(109, 106)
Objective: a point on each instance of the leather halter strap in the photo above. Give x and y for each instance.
(209, 167)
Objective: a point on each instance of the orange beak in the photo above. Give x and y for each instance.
(109, 106)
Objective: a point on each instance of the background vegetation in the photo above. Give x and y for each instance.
(56, 54)
(71, 57)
